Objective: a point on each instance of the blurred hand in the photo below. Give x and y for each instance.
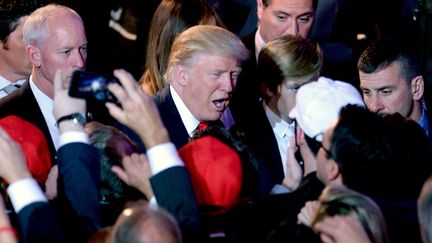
(307, 213)
(138, 110)
(64, 104)
(136, 172)
(13, 165)
(5, 236)
(341, 229)
(51, 183)
(294, 173)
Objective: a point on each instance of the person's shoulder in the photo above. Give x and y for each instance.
(249, 40)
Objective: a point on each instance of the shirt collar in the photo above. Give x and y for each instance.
(259, 43)
(189, 121)
(4, 82)
(280, 126)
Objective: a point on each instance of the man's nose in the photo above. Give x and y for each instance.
(375, 104)
(228, 83)
(292, 28)
(79, 60)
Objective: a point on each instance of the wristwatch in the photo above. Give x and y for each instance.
(77, 118)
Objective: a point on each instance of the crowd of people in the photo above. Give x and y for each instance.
(221, 137)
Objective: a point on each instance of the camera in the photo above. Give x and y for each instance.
(92, 86)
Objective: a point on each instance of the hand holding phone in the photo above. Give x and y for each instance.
(92, 86)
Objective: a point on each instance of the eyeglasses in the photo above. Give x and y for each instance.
(321, 145)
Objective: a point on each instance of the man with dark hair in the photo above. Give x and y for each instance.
(275, 18)
(361, 147)
(391, 81)
(15, 66)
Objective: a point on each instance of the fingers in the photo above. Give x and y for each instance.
(307, 213)
(127, 81)
(116, 112)
(120, 173)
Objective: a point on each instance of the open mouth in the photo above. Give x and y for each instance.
(221, 104)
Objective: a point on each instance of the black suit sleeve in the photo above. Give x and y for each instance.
(173, 191)
(79, 189)
(38, 223)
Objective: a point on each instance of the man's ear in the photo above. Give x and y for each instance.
(417, 87)
(180, 75)
(266, 91)
(333, 169)
(34, 55)
(260, 8)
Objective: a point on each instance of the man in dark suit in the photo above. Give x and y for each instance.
(284, 65)
(202, 72)
(78, 165)
(15, 67)
(391, 81)
(50, 45)
(275, 18)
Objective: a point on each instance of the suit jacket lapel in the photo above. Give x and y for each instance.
(171, 118)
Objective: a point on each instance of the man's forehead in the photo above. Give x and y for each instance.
(292, 5)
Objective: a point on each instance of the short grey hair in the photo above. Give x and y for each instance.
(34, 30)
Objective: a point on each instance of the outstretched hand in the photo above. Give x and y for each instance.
(138, 110)
(136, 172)
(13, 165)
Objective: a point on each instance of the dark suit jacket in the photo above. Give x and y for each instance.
(173, 191)
(74, 216)
(171, 118)
(23, 104)
(246, 93)
(38, 223)
(259, 133)
(77, 204)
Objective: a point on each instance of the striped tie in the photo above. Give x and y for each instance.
(10, 88)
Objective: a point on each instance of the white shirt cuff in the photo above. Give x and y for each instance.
(24, 192)
(280, 189)
(162, 157)
(73, 137)
(153, 202)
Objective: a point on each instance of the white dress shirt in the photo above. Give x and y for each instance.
(259, 43)
(189, 121)
(46, 104)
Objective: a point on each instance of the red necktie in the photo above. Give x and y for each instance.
(203, 125)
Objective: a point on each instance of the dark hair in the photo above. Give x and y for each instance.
(10, 13)
(314, 3)
(366, 147)
(382, 53)
(411, 152)
(113, 146)
(360, 148)
(313, 144)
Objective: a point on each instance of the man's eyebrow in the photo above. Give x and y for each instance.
(306, 14)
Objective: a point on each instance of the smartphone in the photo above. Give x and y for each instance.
(92, 86)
